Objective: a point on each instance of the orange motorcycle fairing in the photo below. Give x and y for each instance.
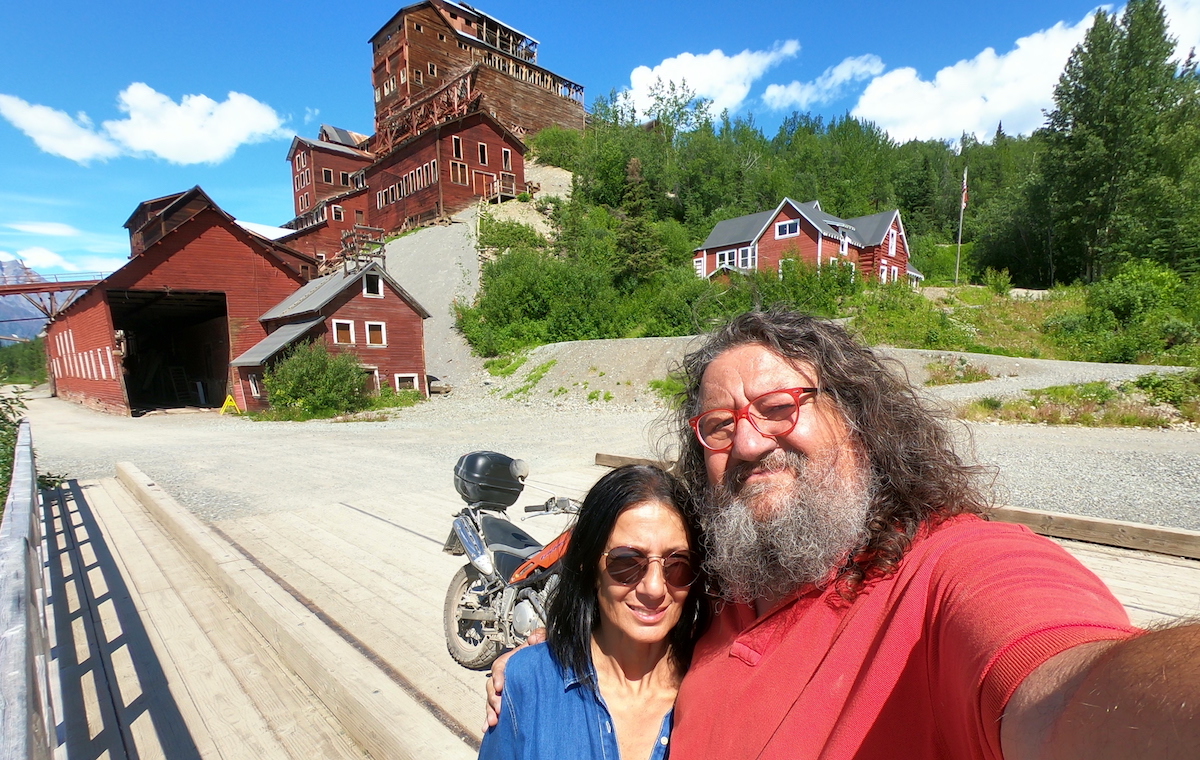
(550, 553)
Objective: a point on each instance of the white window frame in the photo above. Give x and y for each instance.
(367, 292)
(344, 179)
(338, 214)
(747, 257)
(891, 243)
(255, 390)
(727, 258)
(506, 159)
(415, 381)
(483, 154)
(456, 144)
(843, 245)
(782, 229)
(337, 322)
(327, 173)
(367, 334)
(699, 263)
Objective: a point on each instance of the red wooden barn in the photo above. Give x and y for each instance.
(361, 309)
(162, 329)
(874, 245)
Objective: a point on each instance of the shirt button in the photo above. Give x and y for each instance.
(662, 740)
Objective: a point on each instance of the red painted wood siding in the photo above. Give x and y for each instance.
(443, 196)
(82, 356)
(803, 246)
(325, 237)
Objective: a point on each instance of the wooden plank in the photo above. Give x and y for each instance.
(1173, 541)
(617, 460)
(276, 704)
(378, 712)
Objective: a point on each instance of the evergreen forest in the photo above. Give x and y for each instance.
(1101, 205)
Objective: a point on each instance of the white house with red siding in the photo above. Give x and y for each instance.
(874, 245)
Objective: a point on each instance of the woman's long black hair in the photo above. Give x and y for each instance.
(575, 607)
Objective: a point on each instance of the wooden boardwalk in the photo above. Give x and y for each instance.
(155, 660)
(152, 659)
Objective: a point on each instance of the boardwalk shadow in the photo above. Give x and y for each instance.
(110, 675)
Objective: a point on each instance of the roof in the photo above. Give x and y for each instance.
(317, 294)
(275, 342)
(264, 230)
(741, 229)
(871, 230)
(321, 144)
(332, 134)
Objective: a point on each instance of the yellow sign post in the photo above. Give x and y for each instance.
(230, 404)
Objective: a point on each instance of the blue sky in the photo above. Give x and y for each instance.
(103, 105)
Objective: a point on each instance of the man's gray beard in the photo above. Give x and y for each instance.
(798, 535)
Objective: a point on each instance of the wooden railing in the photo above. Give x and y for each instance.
(27, 725)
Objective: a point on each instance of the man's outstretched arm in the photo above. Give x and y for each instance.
(1137, 698)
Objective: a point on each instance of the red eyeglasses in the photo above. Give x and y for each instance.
(627, 566)
(772, 414)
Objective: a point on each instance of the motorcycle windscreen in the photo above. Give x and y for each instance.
(510, 545)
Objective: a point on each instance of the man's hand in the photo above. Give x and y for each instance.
(495, 682)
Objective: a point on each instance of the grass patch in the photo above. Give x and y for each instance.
(670, 389)
(503, 366)
(1098, 404)
(532, 379)
(952, 370)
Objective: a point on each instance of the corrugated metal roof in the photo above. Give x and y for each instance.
(871, 230)
(316, 294)
(332, 134)
(739, 230)
(327, 146)
(275, 342)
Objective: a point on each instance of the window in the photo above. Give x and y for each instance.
(321, 257)
(378, 95)
(343, 331)
(462, 45)
(457, 142)
(895, 273)
(747, 258)
(483, 154)
(698, 263)
(304, 201)
(883, 274)
(418, 27)
(891, 243)
(373, 285)
(433, 69)
(416, 76)
(389, 86)
(296, 182)
(787, 229)
(255, 390)
(379, 199)
(376, 334)
(506, 159)
(327, 176)
(441, 37)
(433, 171)
(844, 245)
(405, 383)
(359, 217)
(726, 258)
(458, 173)
(403, 76)
(344, 177)
(338, 214)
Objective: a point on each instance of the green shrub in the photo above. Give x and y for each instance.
(503, 233)
(557, 146)
(311, 380)
(503, 366)
(997, 282)
(389, 398)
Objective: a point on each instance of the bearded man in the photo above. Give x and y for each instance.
(865, 609)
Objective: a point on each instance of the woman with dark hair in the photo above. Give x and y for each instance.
(621, 628)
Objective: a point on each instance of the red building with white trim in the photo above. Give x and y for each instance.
(874, 245)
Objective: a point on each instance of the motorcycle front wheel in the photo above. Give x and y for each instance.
(465, 639)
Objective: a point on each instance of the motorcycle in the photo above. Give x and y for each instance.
(496, 600)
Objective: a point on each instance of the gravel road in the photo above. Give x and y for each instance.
(227, 466)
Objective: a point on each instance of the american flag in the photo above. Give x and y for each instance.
(964, 192)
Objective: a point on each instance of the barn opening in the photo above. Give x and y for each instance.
(176, 347)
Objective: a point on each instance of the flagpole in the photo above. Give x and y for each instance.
(961, 207)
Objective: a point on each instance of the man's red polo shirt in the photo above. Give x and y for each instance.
(919, 666)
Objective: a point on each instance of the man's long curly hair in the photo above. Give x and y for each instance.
(918, 477)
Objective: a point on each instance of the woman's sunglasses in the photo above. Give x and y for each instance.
(628, 566)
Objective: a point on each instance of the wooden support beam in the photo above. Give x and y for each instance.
(1177, 542)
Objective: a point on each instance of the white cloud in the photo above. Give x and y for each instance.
(723, 79)
(1183, 20)
(974, 95)
(40, 259)
(195, 130)
(311, 114)
(57, 132)
(51, 229)
(827, 87)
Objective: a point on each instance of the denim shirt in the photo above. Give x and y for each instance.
(549, 712)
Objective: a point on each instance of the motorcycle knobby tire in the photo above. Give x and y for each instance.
(465, 639)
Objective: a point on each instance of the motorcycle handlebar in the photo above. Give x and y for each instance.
(555, 504)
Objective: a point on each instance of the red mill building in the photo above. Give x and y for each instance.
(455, 92)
